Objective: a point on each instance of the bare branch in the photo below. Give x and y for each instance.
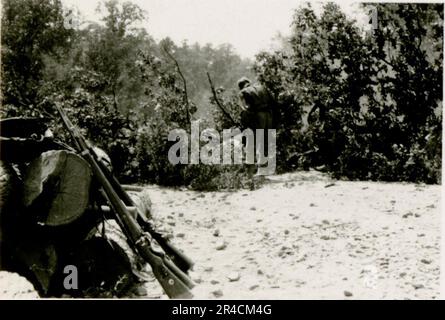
(178, 69)
(218, 103)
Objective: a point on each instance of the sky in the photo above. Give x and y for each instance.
(248, 25)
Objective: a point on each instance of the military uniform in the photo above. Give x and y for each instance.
(257, 105)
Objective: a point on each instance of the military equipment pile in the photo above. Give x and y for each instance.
(56, 216)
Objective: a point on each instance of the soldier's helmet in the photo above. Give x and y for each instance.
(243, 82)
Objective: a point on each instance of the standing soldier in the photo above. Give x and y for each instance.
(256, 104)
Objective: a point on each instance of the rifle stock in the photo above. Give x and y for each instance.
(178, 257)
(175, 283)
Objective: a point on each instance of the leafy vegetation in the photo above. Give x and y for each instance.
(359, 104)
(373, 99)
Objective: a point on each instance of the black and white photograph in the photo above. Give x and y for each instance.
(221, 150)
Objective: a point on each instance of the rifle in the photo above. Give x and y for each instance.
(180, 259)
(175, 282)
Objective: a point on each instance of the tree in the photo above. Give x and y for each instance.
(371, 98)
(111, 52)
(31, 30)
(409, 48)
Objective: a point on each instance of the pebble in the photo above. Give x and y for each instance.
(221, 245)
(418, 286)
(406, 215)
(218, 293)
(208, 269)
(197, 280)
(425, 261)
(347, 293)
(234, 276)
(213, 281)
(180, 235)
(253, 287)
(253, 208)
(216, 233)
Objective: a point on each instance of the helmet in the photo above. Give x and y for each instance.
(243, 82)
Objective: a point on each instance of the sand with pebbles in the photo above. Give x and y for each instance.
(305, 236)
(300, 236)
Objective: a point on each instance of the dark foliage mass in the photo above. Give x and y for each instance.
(373, 100)
(359, 104)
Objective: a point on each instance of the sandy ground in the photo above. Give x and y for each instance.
(14, 286)
(305, 236)
(299, 236)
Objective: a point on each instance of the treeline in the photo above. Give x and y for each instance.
(355, 103)
(124, 88)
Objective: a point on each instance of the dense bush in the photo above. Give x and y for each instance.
(169, 109)
(373, 99)
(117, 84)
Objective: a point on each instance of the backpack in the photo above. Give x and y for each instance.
(257, 98)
